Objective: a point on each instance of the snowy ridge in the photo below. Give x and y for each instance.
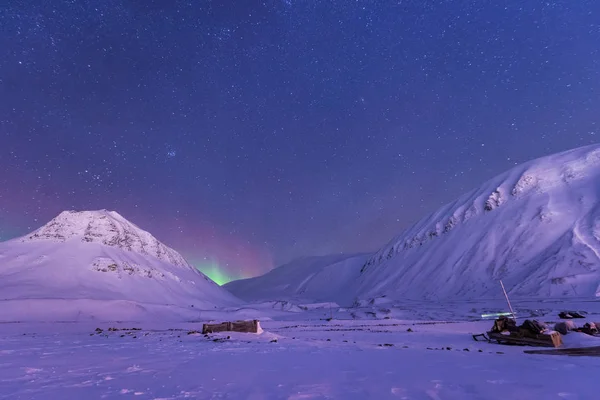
(308, 279)
(108, 228)
(534, 177)
(536, 226)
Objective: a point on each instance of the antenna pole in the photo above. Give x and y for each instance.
(508, 301)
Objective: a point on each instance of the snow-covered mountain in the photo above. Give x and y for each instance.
(85, 262)
(308, 279)
(108, 228)
(536, 227)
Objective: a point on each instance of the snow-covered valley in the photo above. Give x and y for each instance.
(93, 306)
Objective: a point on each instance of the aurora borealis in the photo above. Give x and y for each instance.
(215, 272)
(247, 134)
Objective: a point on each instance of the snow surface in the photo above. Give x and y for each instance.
(298, 356)
(108, 265)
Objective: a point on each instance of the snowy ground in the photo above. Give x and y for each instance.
(299, 356)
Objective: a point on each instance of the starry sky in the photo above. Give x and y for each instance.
(246, 134)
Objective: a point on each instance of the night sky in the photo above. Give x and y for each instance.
(248, 133)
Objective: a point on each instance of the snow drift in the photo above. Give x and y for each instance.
(536, 227)
(97, 264)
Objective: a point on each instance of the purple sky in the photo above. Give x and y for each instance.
(246, 134)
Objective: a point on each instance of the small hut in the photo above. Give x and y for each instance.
(252, 326)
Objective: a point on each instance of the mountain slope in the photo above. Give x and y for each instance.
(308, 279)
(98, 256)
(536, 227)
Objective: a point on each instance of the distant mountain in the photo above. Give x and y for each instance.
(308, 279)
(84, 262)
(536, 227)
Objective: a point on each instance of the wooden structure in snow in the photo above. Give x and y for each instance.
(252, 326)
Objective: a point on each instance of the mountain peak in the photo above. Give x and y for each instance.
(96, 264)
(108, 228)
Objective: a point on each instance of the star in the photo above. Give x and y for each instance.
(282, 129)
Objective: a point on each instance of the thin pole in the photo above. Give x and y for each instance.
(508, 301)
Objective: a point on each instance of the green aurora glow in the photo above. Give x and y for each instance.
(214, 272)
